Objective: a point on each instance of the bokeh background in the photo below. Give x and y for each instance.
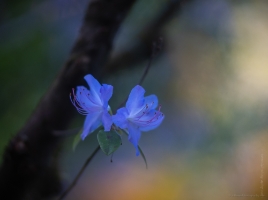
(211, 79)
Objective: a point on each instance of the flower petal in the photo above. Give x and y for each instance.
(151, 101)
(92, 120)
(106, 93)
(134, 136)
(135, 102)
(95, 88)
(107, 121)
(120, 118)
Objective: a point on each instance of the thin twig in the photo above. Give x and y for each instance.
(64, 194)
(157, 46)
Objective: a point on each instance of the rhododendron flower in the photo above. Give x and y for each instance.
(138, 115)
(94, 104)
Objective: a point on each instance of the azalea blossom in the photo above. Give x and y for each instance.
(94, 104)
(140, 114)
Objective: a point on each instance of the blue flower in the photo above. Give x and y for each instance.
(94, 104)
(138, 115)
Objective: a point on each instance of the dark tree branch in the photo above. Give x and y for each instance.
(29, 168)
(142, 49)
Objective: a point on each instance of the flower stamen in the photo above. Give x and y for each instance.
(80, 106)
(153, 119)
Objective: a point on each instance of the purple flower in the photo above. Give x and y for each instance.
(138, 115)
(94, 104)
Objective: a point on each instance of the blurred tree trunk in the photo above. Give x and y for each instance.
(29, 169)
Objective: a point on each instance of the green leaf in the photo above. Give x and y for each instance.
(143, 156)
(76, 141)
(109, 141)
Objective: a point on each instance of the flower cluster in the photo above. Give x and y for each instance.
(139, 114)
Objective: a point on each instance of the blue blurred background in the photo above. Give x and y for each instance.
(211, 80)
